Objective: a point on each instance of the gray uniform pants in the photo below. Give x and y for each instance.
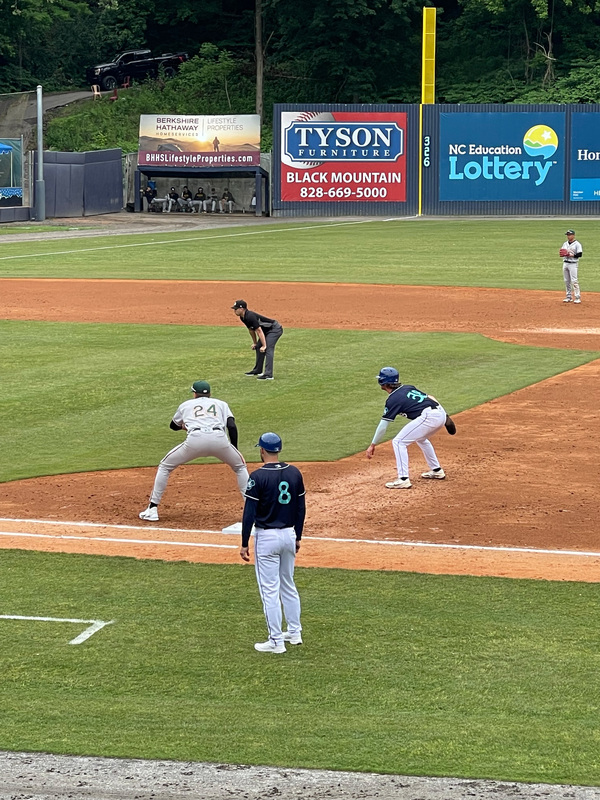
(200, 443)
(275, 553)
(570, 269)
(266, 358)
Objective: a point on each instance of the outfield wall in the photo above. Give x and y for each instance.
(380, 160)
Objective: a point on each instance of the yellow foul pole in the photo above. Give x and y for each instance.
(427, 84)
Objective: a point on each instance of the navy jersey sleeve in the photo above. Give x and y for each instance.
(394, 405)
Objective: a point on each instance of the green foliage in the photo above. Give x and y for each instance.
(345, 47)
(315, 50)
(25, 28)
(433, 675)
(207, 84)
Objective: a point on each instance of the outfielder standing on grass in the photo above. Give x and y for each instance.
(205, 419)
(275, 505)
(571, 252)
(426, 417)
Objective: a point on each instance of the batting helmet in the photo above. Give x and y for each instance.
(270, 442)
(388, 375)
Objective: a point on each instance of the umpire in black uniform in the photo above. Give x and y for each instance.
(265, 333)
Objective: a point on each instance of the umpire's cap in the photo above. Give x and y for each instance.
(201, 387)
(270, 442)
(240, 304)
(388, 375)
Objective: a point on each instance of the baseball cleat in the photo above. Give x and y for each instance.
(292, 638)
(439, 475)
(399, 484)
(269, 647)
(577, 300)
(151, 514)
(264, 378)
(251, 373)
(567, 300)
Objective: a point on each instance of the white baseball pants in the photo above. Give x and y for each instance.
(274, 557)
(196, 445)
(417, 431)
(571, 282)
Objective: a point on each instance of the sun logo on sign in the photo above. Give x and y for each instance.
(540, 141)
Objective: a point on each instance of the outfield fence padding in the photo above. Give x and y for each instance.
(438, 160)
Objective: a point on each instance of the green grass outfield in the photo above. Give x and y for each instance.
(414, 674)
(519, 254)
(79, 397)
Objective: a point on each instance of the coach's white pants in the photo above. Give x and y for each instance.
(417, 431)
(196, 445)
(274, 557)
(571, 280)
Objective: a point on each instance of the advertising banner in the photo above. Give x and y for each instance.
(11, 172)
(170, 140)
(343, 156)
(502, 156)
(585, 156)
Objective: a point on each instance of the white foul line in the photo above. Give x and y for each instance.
(106, 525)
(391, 542)
(114, 539)
(493, 548)
(94, 625)
(184, 239)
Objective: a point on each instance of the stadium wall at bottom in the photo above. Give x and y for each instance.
(344, 160)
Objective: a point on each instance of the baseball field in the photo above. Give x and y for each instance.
(449, 629)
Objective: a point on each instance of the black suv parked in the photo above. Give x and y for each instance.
(136, 65)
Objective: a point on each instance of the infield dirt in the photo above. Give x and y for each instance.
(522, 471)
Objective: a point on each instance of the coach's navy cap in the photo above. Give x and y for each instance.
(240, 304)
(201, 387)
(570, 232)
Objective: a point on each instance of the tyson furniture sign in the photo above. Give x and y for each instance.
(342, 156)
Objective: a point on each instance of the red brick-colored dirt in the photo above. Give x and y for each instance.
(522, 470)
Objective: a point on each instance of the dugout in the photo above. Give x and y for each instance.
(257, 177)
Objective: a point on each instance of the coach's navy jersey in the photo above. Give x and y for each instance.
(274, 499)
(407, 401)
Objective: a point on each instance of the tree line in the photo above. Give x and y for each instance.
(343, 51)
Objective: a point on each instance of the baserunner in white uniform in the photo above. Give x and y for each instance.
(205, 419)
(425, 415)
(571, 252)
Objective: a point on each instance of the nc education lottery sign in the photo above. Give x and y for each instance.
(502, 156)
(343, 156)
(198, 141)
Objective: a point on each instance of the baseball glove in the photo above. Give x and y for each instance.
(450, 426)
(563, 252)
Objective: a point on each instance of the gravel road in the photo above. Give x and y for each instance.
(37, 776)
